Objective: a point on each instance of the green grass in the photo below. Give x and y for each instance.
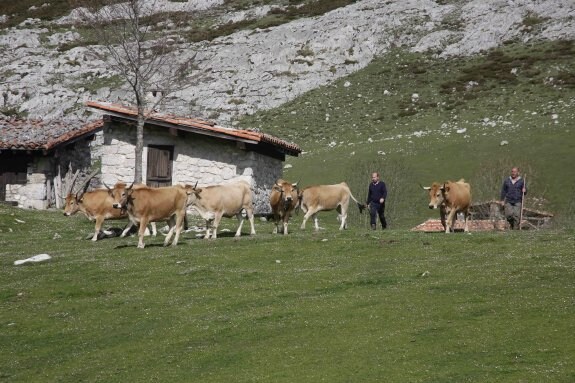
(329, 306)
(522, 94)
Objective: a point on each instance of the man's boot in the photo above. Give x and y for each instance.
(373, 227)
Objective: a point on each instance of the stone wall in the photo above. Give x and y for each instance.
(33, 194)
(207, 160)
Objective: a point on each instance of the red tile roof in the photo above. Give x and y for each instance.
(19, 134)
(198, 126)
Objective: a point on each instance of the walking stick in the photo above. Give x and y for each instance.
(522, 200)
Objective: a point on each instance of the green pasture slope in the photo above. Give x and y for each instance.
(350, 306)
(454, 128)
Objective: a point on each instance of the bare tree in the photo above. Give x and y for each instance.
(143, 55)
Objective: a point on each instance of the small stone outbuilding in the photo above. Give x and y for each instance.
(39, 159)
(182, 150)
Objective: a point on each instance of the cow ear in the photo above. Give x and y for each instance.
(277, 188)
(446, 188)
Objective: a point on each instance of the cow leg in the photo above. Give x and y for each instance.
(129, 227)
(343, 218)
(171, 224)
(99, 221)
(442, 215)
(315, 222)
(343, 222)
(179, 225)
(308, 214)
(141, 232)
(241, 223)
(208, 228)
(154, 231)
(216, 223)
(250, 214)
(450, 221)
(466, 218)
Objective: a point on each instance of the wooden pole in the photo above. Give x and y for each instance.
(522, 200)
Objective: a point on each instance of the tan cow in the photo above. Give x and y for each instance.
(215, 202)
(314, 199)
(97, 205)
(283, 200)
(147, 204)
(451, 198)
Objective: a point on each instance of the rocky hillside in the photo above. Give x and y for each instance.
(47, 71)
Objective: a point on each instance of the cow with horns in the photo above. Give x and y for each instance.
(145, 205)
(450, 198)
(95, 205)
(283, 200)
(217, 201)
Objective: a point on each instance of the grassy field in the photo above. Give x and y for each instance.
(332, 306)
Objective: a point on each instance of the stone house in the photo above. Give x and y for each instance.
(181, 150)
(37, 157)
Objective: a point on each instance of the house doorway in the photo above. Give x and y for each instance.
(159, 170)
(13, 171)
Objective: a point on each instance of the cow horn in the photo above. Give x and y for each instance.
(425, 187)
(130, 187)
(295, 185)
(107, 187)
(86, 183)
(195, 185)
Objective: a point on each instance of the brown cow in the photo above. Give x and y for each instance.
(228, 200)
(314, 199)
(283, 200)
(451, 198)
(97, 205)
(147, 204)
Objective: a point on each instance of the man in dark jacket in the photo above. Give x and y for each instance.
(512, 194)
(376, 196)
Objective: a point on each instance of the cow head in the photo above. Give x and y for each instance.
(72, 205)
(288, 192)
(436, 194)
(193, 192)
(121, 194)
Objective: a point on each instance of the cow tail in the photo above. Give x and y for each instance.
(359, 205)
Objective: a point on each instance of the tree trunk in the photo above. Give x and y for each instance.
(139, 147)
